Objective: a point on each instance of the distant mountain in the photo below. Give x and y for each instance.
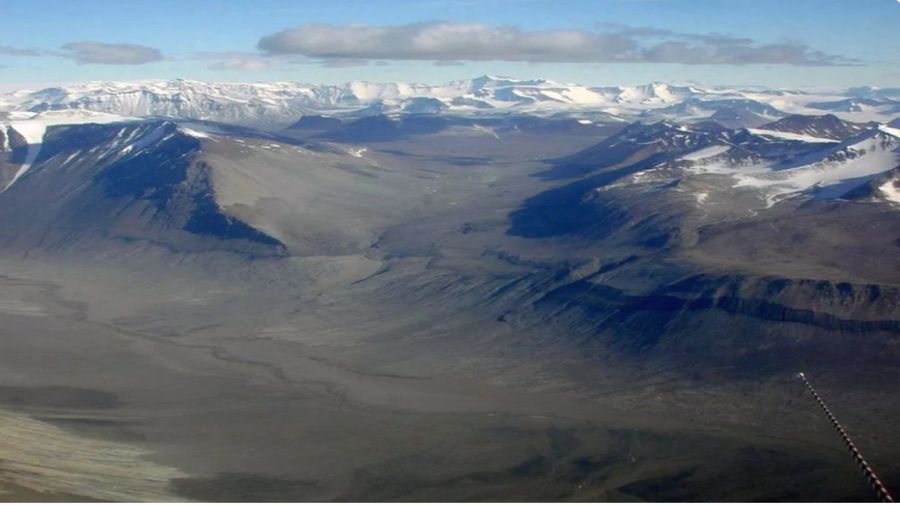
(234, 103)
(317, 123)
(379, 128)
(728, 112)
(879, 105)
(873, 92)
(827, 126)
(280, 104)
(384, 127)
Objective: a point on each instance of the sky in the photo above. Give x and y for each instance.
(778, 43)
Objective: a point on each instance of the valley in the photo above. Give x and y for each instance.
(448, 307)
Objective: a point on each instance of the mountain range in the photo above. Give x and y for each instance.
(281, 103)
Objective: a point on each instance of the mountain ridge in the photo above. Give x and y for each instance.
(283, 102)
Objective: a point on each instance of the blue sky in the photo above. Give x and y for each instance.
(796, 43)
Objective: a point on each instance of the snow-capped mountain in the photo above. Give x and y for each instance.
(654, 93)
(831, 172)
(234, 103)
(283, 103)
(286, 102)
(758, 166)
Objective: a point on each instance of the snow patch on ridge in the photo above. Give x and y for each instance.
(790, 136)
(891, 191)
(707, 152)
(34, 128)
(193, 133)
(894, 132)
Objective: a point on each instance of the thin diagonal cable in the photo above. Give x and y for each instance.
(861, 462)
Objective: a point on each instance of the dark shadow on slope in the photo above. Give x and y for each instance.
(159, 169)
(208, 219)
(573, 208)
(245, 487)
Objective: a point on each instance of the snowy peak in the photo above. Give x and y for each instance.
(285, 102)
(664, 92)
(654, 93)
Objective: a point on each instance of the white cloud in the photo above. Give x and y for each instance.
(110, 54)
(451, 41)
(18, 51)
(244, 64)
(237, 60)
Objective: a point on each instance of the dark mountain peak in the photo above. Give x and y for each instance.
(871, 92)
(710, 125)
(635, 147)
(666, 132)
(826, 126)
(375, 119)
(692, 104)
(381, 127)
(856, 104)
(316, 122)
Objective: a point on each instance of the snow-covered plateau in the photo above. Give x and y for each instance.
(274, 103)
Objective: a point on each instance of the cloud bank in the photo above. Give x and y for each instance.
(451, 41)
(241, 60)
(18, 51)
(110, 54)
